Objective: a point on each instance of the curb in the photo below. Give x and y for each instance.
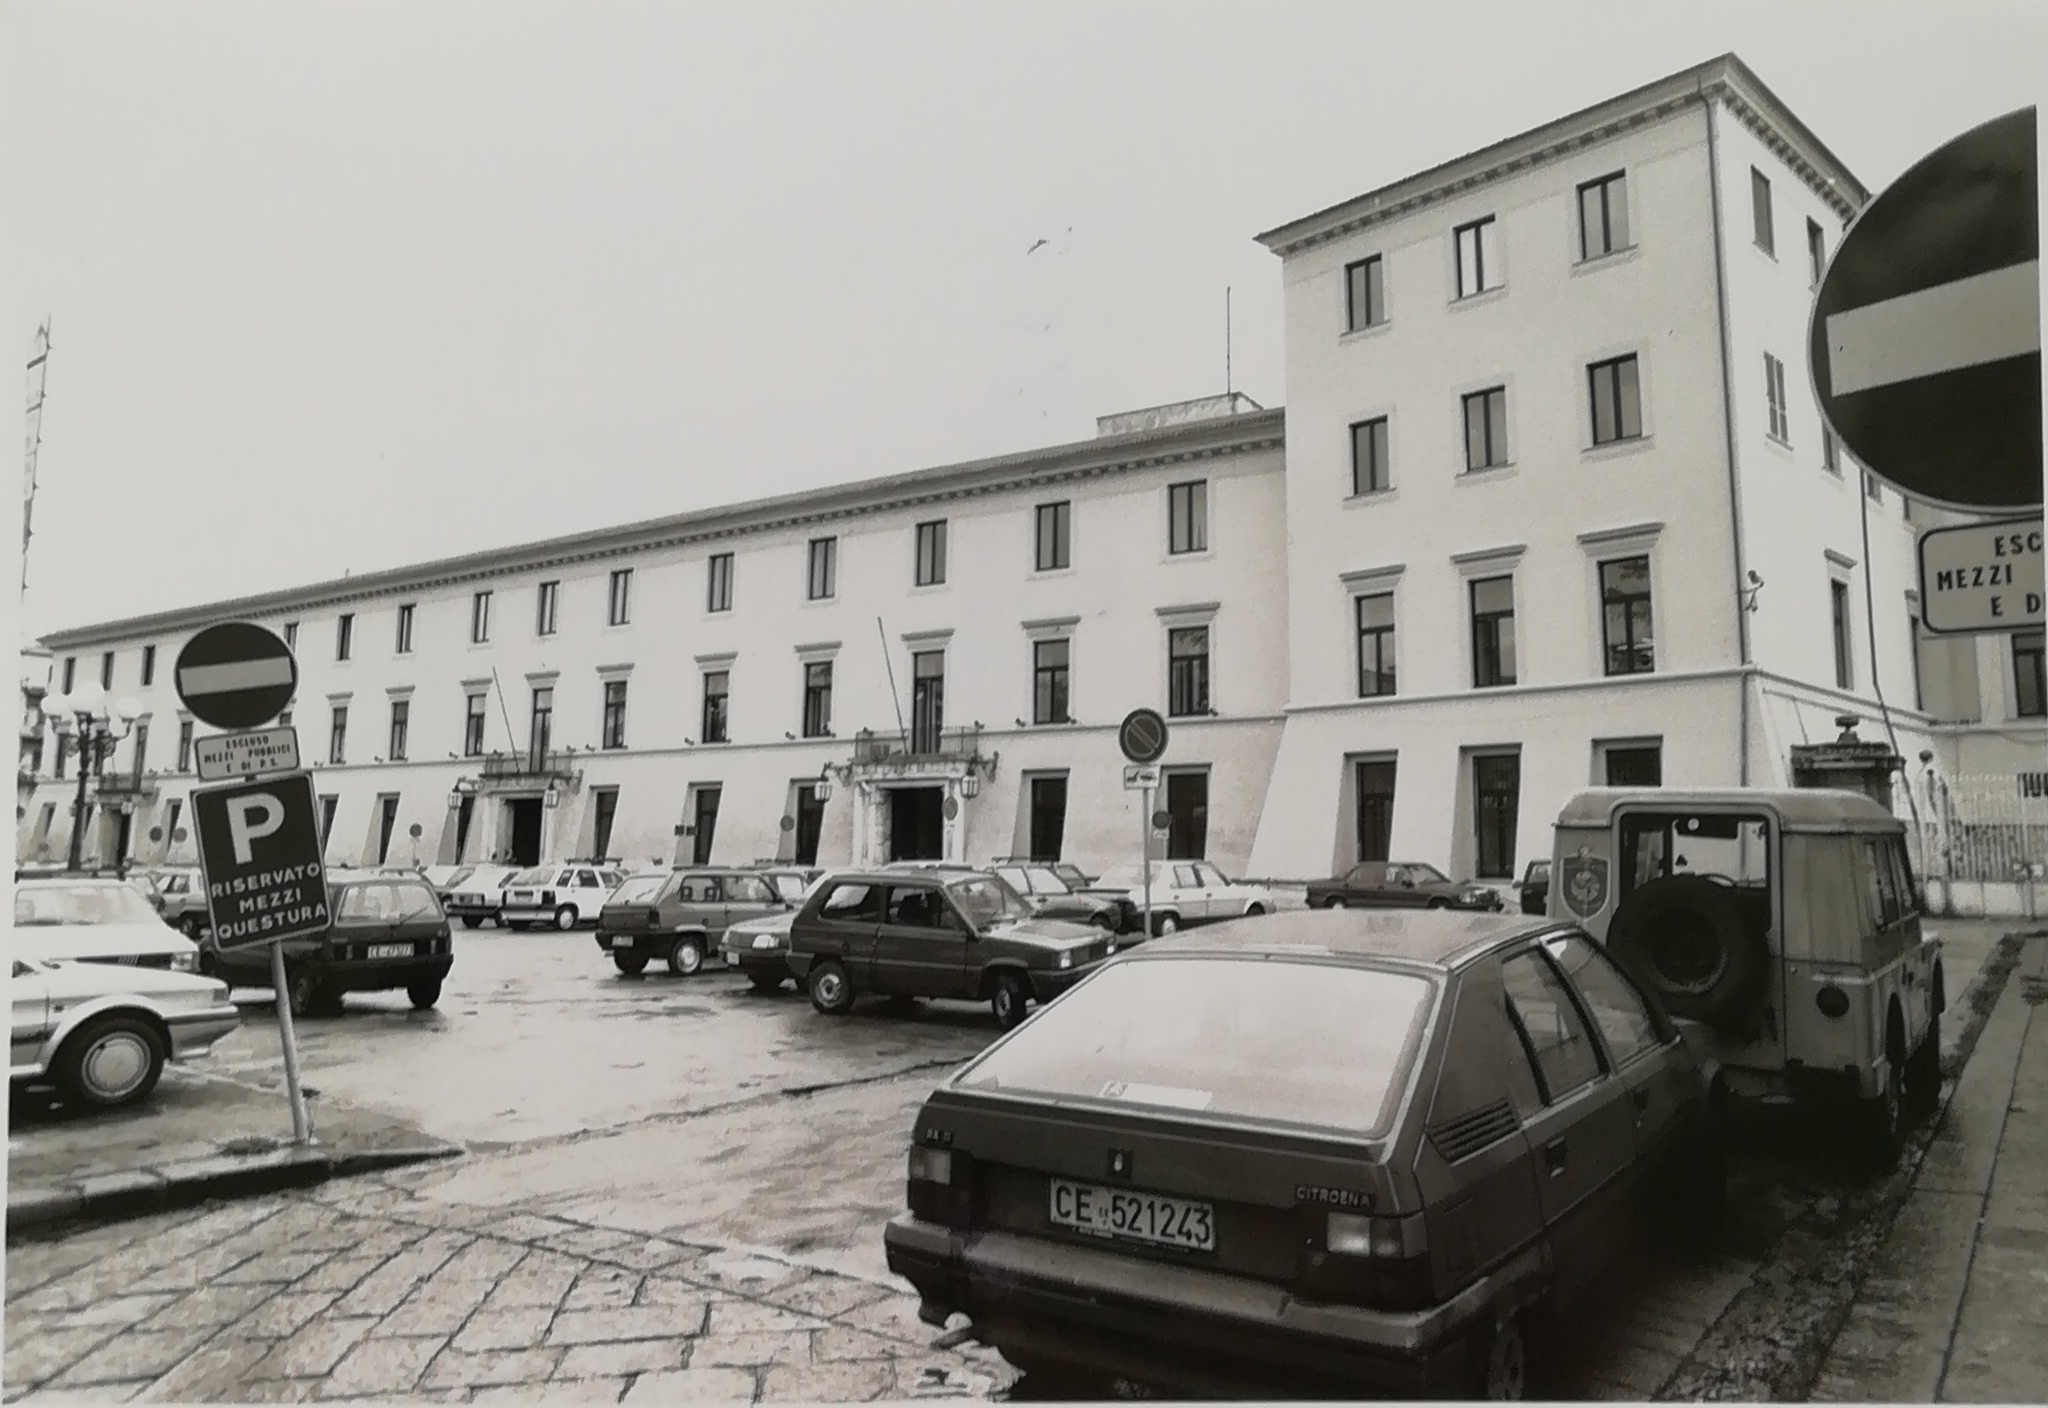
(40, 1214)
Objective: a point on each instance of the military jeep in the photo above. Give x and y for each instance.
(1787, 921)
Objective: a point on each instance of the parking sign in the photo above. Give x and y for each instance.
(259, 848)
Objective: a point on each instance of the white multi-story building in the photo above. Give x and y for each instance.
(1555, 507)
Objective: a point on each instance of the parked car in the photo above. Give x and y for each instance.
(477, 895)
(184, 894)
(1325, 1149)
(678, 917)
(1788, 921)
(101, 1033)
(94, 919)
(935, 933)
(1534, 887)
(1051, 897)
(1075, 878)
(562, 895)
(1377, 884)
(792, 882)
(1185, 893)
(389, 932)
(146, 885)
(759, 947)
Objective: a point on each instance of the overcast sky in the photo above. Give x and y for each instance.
(337, 287)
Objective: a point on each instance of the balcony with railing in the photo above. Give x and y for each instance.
(936, 745)
(535, 764)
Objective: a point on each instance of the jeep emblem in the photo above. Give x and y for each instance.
(1584, 883)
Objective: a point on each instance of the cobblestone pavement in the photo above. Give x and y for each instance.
(356, 1291)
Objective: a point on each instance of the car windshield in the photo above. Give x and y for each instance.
(1046, 882)
(1427, 875)
(1292, 1042)
(987, 901)
(40, 906)
(538, 875)
(641, 889)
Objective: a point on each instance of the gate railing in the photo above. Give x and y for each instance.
(1983, 842)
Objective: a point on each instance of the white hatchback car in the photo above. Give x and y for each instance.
(1186, 893)
(561, 895)
(94, 919)
(102, 1033)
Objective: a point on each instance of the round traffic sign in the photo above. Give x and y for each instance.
(156, 833)
(1925, 339)
(1142, 736)
(236, 675)
(415, 831)
(1162, 820)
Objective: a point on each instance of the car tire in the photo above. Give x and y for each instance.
(686, 955)
(424, 995)
(1009, 1000)
(1500, 1370)
(566, 917)
(765, 982)
(1167, 923)
(1335, 902)
(1251, 909)
(1104, 922)
(1883, 1123)
(1687, 938)
(471, 921)
(631, 964)
(1438, 904)
(110, 1061)
(830, 989)
(304, 993)
(1923, 1072)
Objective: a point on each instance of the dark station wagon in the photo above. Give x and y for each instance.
(1351, 1150)
(680, 917)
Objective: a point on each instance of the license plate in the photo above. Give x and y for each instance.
(621, 941)
(390, 951)
(1135, 1217)
(732, 960)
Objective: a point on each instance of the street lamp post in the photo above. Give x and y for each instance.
(85, 727)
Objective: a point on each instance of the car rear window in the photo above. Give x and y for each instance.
(641, 889)
(535, 876)
(388, 902)
(1285, 1041)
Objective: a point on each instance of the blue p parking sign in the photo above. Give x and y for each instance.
(259, 848)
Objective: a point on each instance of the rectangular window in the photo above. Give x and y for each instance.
(337, 734)
(141, 746)
(1845, 659)
(1048, 816)
(1374, 778)
(540, 727)
(344, 635)
(480, 618)
(1187, 512)
(718, 582)
(107, 670)
(1365, 294)
(818, 699)
(291, 635)
(1477, 261)
(1830, 452)
(823, 578)
(184, 745)
(473, 727)
(927, 700)
(1774, 396)
(1760, 211)
(1187, 671)
(401, 725)
(1603, 216)
(810, 824)
(1369, 469)
(1633, 765)
(1375, 645)
(1054, 550)
(606, 806)
(1617, 400)
(704, 824)
(403, 645)
(1486, 429)
(327, 804)
(716, 682)
(1187, 815)
(545, 599)
(71, 672)
(148, 666)
(1493, 632)
(171, 836)
(619, 604)
(1625, 626)
(2030, 683)
(1049, 665)
(614, 714)
(1872, 487)
(1496, 797)
(1816, 252)
(931, 553)
(387, 821)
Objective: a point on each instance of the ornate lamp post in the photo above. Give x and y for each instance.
(84, 726)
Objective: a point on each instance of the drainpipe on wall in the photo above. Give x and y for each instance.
(1728, 426)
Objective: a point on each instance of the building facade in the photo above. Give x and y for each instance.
(1550, 505)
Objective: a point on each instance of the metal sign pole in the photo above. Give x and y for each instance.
(1145, 850)
(302, 1126)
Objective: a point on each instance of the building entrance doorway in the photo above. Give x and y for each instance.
(522, 822)
(916, 823)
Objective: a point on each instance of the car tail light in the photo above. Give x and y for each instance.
(1355, 1259)
(1387, 1238)
(941, 1186)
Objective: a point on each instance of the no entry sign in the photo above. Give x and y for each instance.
(236, 675)
(259, 848)
(1925, 344)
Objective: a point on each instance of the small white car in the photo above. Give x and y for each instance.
(561, 895)
(1185, 893)
(473, 893)
(93, 919)
(101, 1033)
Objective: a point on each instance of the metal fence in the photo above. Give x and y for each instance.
(1983, 843)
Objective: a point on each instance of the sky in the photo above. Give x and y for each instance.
(335, 287)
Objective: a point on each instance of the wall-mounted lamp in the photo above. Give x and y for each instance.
(1748, 594)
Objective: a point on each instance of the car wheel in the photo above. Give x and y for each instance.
(1336, 902)
(1503, 1374)
(1252, 909)
(1167, 923)
(1438, 904)
(110, 1061)
(566, 917)
(304, 993)
(1008, 1000)
(1103, 922)
(1923, 1072)
(631, 964)
(830, 989)
(471, 921)
(424, 995)
(686, 955)
(1884, 1122)
(765, 982)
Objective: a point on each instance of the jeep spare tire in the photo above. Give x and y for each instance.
(1686, 937)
